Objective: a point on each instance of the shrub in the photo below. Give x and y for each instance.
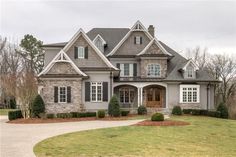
(101, 113)
(142, 110)
(195, 112)
(64, 115)
(38, 106)
(213, 114)
(157, 117)
(124, 113)
(114, 107)
(14, 114)
(50, 115)
(74, 114)
(223, 110)
(13, 103)
(86, 114)
(177, 110)
(187, 111)
(203, 112)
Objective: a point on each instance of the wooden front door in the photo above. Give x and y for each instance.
(153, 97)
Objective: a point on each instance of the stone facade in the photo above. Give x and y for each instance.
(93, 58)
(144, 64)
(62, 68)
(153, 49)
(47, 93)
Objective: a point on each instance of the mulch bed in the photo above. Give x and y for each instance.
(59, 120)
(162, 123)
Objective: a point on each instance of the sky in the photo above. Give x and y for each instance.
(180, 24)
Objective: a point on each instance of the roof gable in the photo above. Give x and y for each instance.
(190, 62)
(61, 57)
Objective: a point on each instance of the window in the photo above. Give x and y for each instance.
(189, 71)
(153, 70)
(126, 95)
(99, 44)
(96, 91)
(189, 93)
(126, 70)
(62, 93)
(80, 52)
(138, 40)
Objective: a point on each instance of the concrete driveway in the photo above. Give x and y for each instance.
(18, 140)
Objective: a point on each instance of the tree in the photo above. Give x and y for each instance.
(114, 107)
(32, 53)
(38, 106)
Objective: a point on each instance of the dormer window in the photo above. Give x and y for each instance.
(189, 72)
(153, 70)
(138, 40)
(99, 43)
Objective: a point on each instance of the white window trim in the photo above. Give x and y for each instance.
(147, 70)
(80, 47)
(131, 70)
(189, 86)
(96, 85)
(59, 94)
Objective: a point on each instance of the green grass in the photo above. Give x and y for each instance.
(205, 137)
(5, 111)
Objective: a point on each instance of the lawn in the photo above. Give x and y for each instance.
(5, 111)
(205, 137)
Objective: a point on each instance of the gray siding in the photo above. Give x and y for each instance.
(50, 53)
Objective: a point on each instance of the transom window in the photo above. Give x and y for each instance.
(62, 93)
(153, 70)
(189, 71)
(189, 93)
(96, 91)
(126, 95)
(80, 52)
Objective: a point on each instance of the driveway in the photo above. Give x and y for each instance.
(18, 140)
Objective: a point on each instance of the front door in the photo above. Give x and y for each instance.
(153, 97)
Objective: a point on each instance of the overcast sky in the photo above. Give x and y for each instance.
(180, 24)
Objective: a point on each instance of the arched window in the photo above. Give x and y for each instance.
(153, 70)
(99, 44)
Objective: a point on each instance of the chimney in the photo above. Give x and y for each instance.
(151, 30)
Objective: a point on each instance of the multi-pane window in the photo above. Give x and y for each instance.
(99, 44)
(153, 70)
(126, 95)
(62, 94)
(189, 93)
(138, 40)
(126, 70)
(80, 52)
(189, 71)
(96, 91)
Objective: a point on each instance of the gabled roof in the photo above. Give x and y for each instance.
(140, 27)
(99, 37)
(154, 41)
(190, 61)
(100, 54)
(61, 57)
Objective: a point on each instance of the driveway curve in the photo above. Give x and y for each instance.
(18, 140)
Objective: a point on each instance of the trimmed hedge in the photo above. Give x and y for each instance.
(124, 113)
(177, 110)
(213, 114)
(83, 114)
(142, 110)
(157, 117)
(50, 115)
(14, 114)
(64, 115)
(223, 111)
(195, 112)
(101, 113)
(187, 111)
(74, 114)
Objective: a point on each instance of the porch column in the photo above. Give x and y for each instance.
(141, 95)
(138, 96)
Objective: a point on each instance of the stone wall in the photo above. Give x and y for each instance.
(47, 94)
(144, 64)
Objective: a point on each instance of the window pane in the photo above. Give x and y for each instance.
(184, 96)
(126, 69)
(62, 94)
(122, 96)
(153, 70)
(137, 40)
(126, 95)
(80, 52)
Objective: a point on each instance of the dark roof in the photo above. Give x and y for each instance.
(113, 36)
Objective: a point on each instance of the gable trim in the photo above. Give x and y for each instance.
(99, 36)
(60, 58)
(194, 65)
(155, 41)
(100, 54)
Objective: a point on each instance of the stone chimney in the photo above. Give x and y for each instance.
(151, 30)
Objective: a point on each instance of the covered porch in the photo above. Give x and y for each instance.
(133, 95)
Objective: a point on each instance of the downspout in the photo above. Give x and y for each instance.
(111, 80)
(208, 87)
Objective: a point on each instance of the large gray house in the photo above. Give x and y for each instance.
(85, 72)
